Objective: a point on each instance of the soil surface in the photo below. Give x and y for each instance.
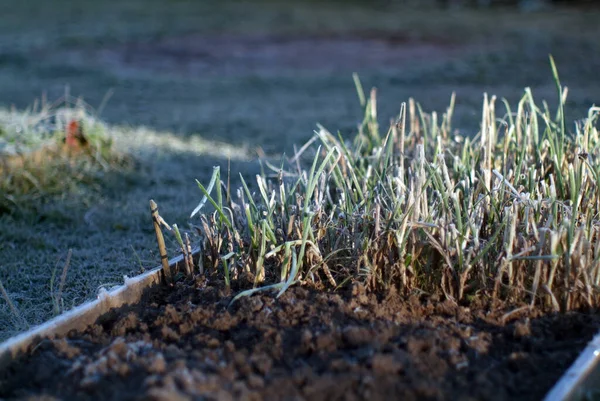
(190, 344)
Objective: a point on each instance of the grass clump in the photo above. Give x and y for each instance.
(510, 214)
(50, 150)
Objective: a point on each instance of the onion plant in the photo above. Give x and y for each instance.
(510, 213)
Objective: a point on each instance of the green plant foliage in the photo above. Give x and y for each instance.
(510, 212)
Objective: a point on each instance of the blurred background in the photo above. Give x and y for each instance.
(191, 84)
(262, 73)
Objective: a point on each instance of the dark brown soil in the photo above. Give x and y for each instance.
(187, 344)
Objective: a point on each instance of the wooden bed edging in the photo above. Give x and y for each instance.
(582, 380)
(84, 315)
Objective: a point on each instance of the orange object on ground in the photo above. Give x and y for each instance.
(74, 138)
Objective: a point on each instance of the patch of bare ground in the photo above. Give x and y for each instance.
(233, 54)
(188, 344)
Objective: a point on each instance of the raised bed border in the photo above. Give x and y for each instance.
(582, 379)
(86, 314)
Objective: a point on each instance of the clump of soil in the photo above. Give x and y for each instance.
(186, 344)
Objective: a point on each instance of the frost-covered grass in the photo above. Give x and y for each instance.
(37, 162)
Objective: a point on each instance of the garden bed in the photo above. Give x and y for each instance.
(419, 264)
(189, 342)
